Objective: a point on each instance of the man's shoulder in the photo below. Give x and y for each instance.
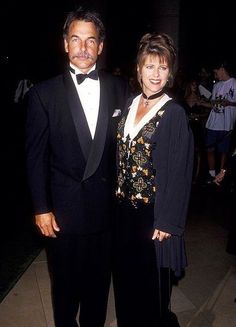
(47, 86)
(49, 81)
(233, 81)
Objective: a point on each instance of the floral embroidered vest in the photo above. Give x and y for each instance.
(135, 170)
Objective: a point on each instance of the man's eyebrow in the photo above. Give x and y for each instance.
(88, 38)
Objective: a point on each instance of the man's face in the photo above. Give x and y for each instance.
(218, 72)
(82, 45)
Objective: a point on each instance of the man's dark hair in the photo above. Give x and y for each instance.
(87, 16)
(226, 64)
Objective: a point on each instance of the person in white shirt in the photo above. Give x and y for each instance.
(221, 120)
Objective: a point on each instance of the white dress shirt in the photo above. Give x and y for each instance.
(89, 94)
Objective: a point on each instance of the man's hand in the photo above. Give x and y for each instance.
(46, 222)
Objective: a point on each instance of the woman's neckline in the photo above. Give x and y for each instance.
(152, 97)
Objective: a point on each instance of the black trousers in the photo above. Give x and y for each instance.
(142, 291)
(80, 278)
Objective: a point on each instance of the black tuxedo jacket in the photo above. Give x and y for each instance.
(69, 173)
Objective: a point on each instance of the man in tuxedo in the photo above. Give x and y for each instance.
(71, 141)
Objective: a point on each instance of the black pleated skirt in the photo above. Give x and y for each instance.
(142, 268)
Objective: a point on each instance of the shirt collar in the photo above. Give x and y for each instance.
(78, 71)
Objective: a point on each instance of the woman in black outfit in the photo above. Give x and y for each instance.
(154, 160)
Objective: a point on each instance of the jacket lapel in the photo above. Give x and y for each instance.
(80, 121)
(98, 143)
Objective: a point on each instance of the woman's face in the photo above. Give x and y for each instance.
(154, 74)
(193, 86)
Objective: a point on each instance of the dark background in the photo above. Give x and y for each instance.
(31, 33)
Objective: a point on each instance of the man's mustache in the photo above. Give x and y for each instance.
(82, 55)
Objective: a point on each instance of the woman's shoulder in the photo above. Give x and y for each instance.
(175, 108)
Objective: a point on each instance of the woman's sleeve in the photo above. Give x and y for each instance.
(174, 164)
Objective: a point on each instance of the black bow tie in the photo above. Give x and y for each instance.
(81, 77)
